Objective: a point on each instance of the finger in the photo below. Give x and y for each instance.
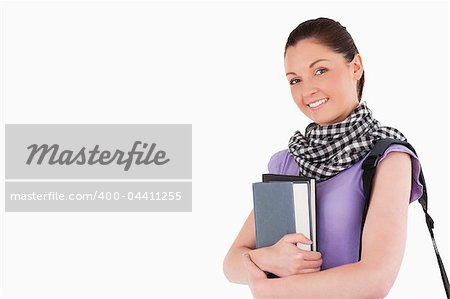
(311, 255)
(297, 238)
(312, 264)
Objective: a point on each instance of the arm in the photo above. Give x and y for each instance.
(232, 264)
(283, 258)
(383, 245)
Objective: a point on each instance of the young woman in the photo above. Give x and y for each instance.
(325, 72)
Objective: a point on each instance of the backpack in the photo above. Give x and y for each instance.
(369, 165)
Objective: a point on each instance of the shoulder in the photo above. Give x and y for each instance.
(394, 167)
(399, 161)
(282, 162)
(395, 158)
(277, 161)
(399, 150)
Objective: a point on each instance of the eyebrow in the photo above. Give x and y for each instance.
(310, 66)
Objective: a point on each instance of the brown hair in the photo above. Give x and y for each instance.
(330, 33)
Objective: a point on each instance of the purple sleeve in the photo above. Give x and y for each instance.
(416, 186)
(283, 162)
(276, 162)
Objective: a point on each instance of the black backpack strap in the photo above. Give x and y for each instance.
(369, 166)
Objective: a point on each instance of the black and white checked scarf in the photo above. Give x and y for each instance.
(325, 151)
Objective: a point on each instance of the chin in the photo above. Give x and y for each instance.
(320, 120)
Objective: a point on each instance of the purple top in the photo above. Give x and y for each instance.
(340, 205)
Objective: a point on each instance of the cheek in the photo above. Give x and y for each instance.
(341, 84)
(331, 82)
(297, 96)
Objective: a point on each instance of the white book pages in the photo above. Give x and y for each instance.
(301, 208)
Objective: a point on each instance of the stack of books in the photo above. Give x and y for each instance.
(285, 204)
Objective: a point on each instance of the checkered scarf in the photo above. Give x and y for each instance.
(325, 151)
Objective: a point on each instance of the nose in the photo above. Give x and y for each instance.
(308, 89)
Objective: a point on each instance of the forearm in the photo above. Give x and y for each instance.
(354, 280)
(233, 265)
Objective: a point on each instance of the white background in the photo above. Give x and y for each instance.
(219, 66)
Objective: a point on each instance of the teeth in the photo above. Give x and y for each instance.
(318, 103)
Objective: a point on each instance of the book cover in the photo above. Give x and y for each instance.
(284, 207)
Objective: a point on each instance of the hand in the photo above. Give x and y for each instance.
(255, 276)
(284, 258)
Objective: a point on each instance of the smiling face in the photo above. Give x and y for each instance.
(314, 73)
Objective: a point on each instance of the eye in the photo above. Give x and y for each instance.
(321, 70)
(293, 81)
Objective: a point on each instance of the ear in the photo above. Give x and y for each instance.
(357, 67)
